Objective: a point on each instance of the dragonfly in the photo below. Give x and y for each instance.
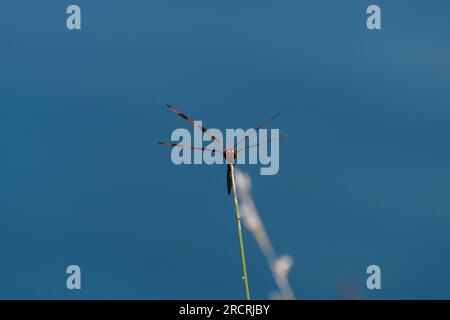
(229, 154)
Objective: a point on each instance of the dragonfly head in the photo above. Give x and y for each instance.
(230, 155)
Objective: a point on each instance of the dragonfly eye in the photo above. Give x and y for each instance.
(229, 155)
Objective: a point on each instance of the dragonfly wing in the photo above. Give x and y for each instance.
(262, 125)
(284, 136)
(203, 129)
(176, 145)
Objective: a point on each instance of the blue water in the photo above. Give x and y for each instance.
(82, 181)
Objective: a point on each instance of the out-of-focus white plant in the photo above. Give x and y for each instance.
(279, 265)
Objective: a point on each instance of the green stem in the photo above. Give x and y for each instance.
(239, 230)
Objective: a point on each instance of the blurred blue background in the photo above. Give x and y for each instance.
(82, 180)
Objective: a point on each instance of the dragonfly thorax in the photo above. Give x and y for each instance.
(230, 155)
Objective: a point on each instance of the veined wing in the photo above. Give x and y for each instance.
(262, 125)
(284, 136)
(176, 145)
(203, 129)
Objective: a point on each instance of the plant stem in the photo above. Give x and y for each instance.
(239, 230)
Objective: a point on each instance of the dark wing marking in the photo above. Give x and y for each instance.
(203, 129)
